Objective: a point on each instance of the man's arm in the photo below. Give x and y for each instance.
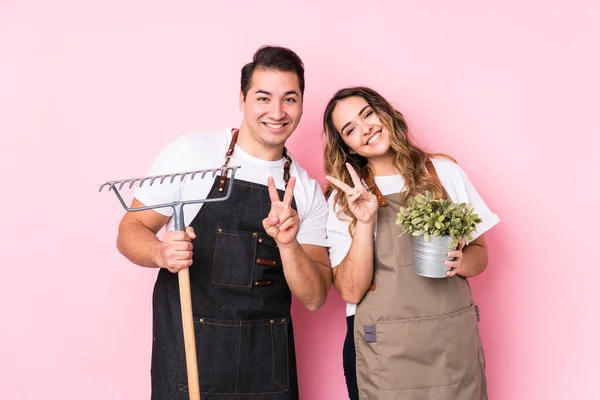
(138, 242)
(307, 271)
(306, 267)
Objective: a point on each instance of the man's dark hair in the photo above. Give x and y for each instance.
(273, 58)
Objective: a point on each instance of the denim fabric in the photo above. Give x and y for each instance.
(244, 336)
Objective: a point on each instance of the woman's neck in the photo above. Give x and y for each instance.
(384, 165)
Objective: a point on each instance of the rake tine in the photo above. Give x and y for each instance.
(119, 184)
(142, 181)
(133, 182)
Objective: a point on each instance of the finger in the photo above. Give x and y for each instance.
(339, 184)
(288, 223)
(270, 222)
(183, 255)
(455, 254)
(353, 197)
(190, 231)
(271, 230)
(355, 179)
(181, 245)
(286, 213)
(452, 272)
(179, 265)
(289, 192)
(172, 236)
(273, 194)
(461, 245)
(451, 264)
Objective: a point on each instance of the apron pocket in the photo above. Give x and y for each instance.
(241, 357)
(432, 351)
(234, 258)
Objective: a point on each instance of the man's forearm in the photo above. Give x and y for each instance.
(139, 244)
(308, 280)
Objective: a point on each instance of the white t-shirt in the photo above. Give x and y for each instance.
(454, 180)
(207, 151)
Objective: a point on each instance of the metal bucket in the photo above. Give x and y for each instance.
(430, 256)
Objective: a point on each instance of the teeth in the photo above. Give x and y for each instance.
(273, 126)
(374, 138)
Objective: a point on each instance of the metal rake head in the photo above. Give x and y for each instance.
(118, 184)
(177, 206)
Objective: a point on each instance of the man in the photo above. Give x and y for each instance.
(246, 255)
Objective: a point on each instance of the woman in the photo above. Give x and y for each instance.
(409, 337)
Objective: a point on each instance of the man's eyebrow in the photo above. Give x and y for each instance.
(263, 92)
(359, 113)
(291, 92)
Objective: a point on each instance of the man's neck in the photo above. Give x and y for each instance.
(256, 149)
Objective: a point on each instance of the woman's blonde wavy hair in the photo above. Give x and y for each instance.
(410, 159)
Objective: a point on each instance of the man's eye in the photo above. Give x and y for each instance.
(290, 100)
(263, 99)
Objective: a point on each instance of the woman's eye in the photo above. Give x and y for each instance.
(368, 113)
(349, 131)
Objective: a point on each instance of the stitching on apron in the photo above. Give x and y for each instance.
(237, 370)
(426, 318)
(432, 386)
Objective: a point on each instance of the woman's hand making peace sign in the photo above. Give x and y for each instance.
(362, 203)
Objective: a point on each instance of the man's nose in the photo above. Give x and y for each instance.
(277, 111)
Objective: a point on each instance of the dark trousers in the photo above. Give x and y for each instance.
(349, 358)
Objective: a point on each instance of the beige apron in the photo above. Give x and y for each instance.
(416, 338)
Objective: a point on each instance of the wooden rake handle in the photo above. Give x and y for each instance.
(189, 339)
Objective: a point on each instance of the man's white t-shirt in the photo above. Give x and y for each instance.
(206, 151)
(454, 180)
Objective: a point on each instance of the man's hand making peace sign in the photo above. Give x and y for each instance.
(282, 223)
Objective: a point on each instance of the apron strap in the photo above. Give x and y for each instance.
(370, 181)
(229, 153)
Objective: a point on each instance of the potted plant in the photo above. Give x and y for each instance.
(437, 225)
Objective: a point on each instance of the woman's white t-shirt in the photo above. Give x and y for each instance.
(454, 180)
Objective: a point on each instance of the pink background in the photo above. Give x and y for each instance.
(92, 90)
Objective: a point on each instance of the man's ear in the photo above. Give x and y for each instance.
(242, 101)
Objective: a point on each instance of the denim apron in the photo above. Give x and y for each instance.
(240, 302)
(416, 338)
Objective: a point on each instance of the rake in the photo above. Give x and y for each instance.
(183, 274)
